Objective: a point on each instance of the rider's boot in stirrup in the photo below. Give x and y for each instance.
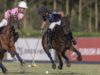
(49, 38)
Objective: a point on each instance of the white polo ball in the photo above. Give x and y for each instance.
(29, 65)
(46, 72)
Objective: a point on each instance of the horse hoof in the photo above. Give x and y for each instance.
(54, 66)
(22, 63)
(5, 72)
(79, 58)
(60, 67)
(68, 65)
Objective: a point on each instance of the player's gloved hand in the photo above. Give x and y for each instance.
(41, 30)
(74, 41)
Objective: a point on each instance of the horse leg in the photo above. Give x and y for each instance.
(52, 61)
(12, 50)
(45, 47)
(79, 58)
(3, 68)
(19, 58)
(13, 53)
(60, 60)
(65, 57)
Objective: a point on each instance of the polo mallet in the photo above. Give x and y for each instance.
(33, 61)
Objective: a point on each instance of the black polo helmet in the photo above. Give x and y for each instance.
(42, 10)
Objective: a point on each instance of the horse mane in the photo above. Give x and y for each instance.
(65, 24)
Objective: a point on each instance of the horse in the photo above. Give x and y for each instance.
(60, 44)
(7, 41)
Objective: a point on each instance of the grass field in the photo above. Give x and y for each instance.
(14, 68)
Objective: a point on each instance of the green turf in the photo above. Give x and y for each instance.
(14, 68)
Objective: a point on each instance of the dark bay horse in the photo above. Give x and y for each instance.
(60, 45)
(7, 41)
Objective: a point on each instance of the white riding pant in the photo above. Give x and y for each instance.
(53, 24)
(3, 23)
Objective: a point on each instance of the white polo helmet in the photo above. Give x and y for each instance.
(22, 4)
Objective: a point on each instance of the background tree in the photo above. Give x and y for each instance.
(96, 15)
(84, 14)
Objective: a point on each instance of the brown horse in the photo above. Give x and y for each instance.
(60, 44)
(7, 41)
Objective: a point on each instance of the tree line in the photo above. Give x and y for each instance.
(84, 14)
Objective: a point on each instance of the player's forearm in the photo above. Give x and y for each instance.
(43, 25)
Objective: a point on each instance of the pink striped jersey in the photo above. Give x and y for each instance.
(13, 11)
